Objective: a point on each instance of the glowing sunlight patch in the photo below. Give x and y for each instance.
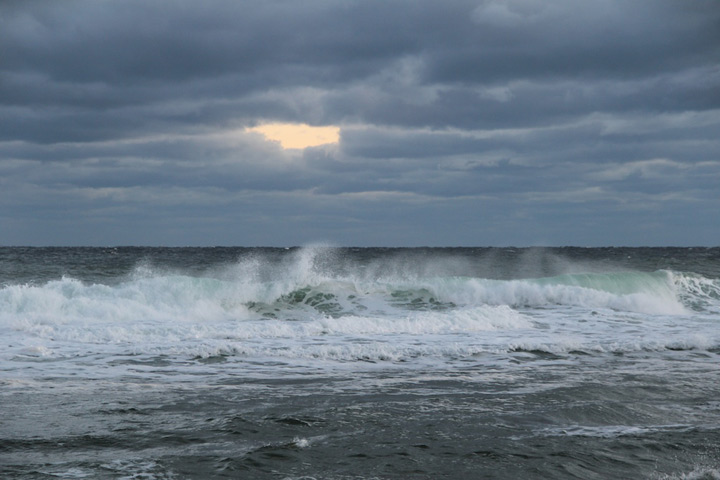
(294, 135)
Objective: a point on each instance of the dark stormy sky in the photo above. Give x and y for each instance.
(515, 122)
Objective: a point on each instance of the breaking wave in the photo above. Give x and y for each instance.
(182, 297)
(242, 307)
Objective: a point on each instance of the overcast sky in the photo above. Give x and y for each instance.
(496, 122)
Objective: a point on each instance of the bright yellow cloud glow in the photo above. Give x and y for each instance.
(294, 135)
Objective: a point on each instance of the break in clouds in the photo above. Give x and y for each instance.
(519, 122)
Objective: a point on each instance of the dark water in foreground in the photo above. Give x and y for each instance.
(136, 363)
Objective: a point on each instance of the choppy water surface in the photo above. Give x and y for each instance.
(321, 362)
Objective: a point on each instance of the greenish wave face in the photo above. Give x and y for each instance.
(622, 283)
(653, 292)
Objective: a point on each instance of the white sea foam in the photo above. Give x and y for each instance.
(611, 431)
(699, 473)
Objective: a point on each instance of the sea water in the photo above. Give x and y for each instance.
(349, 363)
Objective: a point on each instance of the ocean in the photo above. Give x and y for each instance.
(359, 363)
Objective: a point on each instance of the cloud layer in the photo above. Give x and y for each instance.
(462, 123)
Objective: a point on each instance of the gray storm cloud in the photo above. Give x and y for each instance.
(462, 122)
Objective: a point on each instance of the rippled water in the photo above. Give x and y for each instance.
(359, 363)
